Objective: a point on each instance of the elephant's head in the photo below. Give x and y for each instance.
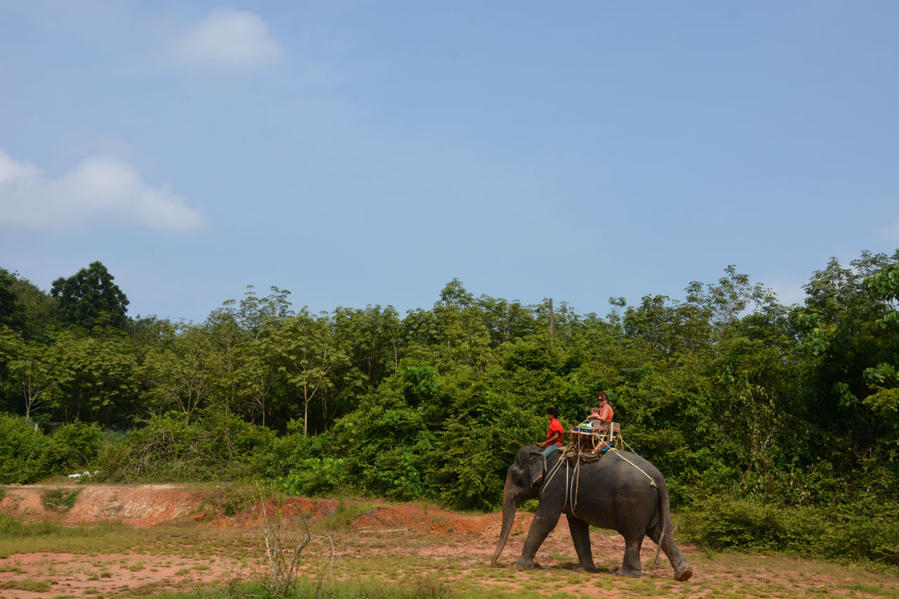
(522, 482)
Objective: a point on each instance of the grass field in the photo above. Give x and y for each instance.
(362, 549)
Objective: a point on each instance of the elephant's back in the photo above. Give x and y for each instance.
(628, 468)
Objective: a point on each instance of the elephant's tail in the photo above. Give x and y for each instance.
(664, 518)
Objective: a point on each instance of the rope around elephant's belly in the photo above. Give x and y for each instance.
(570, 484)
(552, 473)
(575, 485)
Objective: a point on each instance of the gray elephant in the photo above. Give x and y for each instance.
(621, 491)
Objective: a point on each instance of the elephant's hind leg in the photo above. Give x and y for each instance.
(682, 570)
(631, 566)
(580, 536)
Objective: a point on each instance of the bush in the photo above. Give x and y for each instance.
(72, 448)
(60, 500)
(216, 446)
(313, 476)
(862, 530)
(20, 450)
(281, 454)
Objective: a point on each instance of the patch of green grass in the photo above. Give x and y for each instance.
(59, 500)
(230, 500)
(423, 587)
(870, 589)
(20, 536)
(345, 514)
(13, 569)
(34, 586)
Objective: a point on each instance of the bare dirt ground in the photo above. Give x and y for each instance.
(178, 537)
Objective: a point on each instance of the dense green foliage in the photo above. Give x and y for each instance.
(217, 445)
(20, 451)
(860, 530)
(733, 395)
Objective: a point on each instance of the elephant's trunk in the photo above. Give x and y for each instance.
(510, 504)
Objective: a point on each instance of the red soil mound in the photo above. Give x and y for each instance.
(148, 505)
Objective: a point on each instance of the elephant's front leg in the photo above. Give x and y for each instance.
(544, 522)
(580, 536)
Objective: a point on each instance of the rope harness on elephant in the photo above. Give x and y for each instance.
(573, 456)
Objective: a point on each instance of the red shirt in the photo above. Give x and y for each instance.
(555, 427)
(606, 413)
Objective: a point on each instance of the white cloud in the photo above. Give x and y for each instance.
(225, 39)
(98, 191)
(890, 232)
(11, 170)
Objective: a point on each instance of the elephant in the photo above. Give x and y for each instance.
(621, 491)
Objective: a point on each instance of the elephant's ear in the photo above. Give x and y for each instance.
(538, 468)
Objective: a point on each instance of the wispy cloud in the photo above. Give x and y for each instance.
(891, 232)
(226, 39)
(10, 170)
(100, 190)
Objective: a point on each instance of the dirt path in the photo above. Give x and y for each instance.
(174, 537)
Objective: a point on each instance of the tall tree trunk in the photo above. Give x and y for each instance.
(552, 323)
(305, 411)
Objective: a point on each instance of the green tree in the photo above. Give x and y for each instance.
(256, 314)
(11, 343)
(373, 338)
(849, 352)
(11, 311)
(883, 378)
(237, 329)
(30, 373)
(842, 331)
(90, 298)
(456, 330)
(93, 379)
(256, 376)
(506, 321)
(24, 307)
(307, 357)
(181, 373)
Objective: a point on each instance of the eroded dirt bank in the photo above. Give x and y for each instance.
(149, 505)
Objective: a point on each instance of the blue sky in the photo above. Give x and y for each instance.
(369, 152)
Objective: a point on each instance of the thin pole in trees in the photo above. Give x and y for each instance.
(552, 323)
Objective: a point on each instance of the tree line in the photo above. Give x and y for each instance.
(727, 390)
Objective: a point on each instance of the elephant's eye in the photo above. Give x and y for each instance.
(518, 478)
